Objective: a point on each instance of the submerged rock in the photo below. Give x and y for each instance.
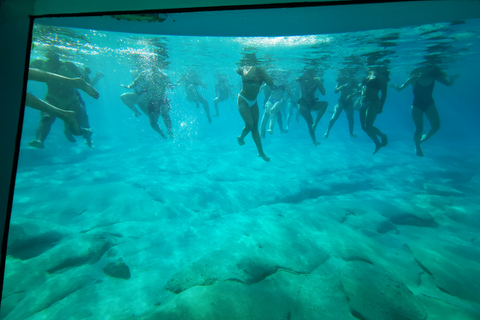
(375, 294)
(117, 269)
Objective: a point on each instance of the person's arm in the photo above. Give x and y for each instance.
(98, 76)
(268, 80)
(320, 86)
(78, 83)
(408, 82)
(448, 82)
(338, 88)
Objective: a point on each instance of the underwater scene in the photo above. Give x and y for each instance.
(331, 176)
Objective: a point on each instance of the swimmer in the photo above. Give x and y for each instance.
(308, 103)
(347, 86)
(423, 80)
(222, 92)
(67, 116)
(253, 77)
(63, 97)
(151, 97)
(190, 82)
(372, 105)
(274, 105)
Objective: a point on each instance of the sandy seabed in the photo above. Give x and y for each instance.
(207, 230)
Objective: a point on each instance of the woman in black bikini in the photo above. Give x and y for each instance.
(252, 79)
(423, 81)
(372, 105)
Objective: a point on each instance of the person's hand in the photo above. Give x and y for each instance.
(124, 86)
(100, 75)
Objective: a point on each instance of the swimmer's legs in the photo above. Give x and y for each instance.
(417, 116)
(164, 112)
(42, 131)
(367, 125)
(336, 114)
(434, 118)
(349, 113)
(308, 118)
(322, 107)
(215, 103)
(130, 99)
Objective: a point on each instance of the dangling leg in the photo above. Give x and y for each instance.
(336, 114)
(321, 106)
(164, 112)
(246, 115)
(349, 113)
(434, 119)
(372, 131)
(153, 115)
(43, 129)
(255, 134)
(305, 112)
(417, 116)
(265, 118)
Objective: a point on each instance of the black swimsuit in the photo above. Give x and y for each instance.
(423, 96)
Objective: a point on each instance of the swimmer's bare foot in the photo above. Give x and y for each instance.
(325, 135)
(314, 126)
(209, 119)
(36, 144)
(283, 131)
(87, 134)
(270, 131)
(264, 157)
(69, 118)
(240, 141)
(377, 148)
(418, 150)
(84, 86)
(316, 143)
(353, 135)
(384, 140)
(424, 137)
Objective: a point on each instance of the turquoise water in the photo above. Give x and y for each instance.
(196, 227)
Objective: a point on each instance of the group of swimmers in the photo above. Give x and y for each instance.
(371, 93)
(150, 95)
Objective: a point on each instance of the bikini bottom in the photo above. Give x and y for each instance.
(250, 103)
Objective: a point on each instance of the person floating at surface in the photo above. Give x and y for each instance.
(276, 101)
(67, 116)
(423, 80)
(222, 92)
(348, 87)
(308, 103)
(372, 105)
(151, 97)
(253, 77)
(63, 97)
(191, 81)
